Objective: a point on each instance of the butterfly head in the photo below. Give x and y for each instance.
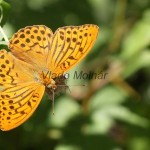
(47, 80)
(57, 84)
(51, 84)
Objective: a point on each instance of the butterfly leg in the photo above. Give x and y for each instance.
(53, 98)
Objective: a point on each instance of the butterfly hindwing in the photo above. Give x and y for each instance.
(20, 94)
(17, 104)
(13, 70)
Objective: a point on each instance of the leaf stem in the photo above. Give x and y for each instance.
(4, 35)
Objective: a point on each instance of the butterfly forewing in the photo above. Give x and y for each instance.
(70, 45)
(32, 44)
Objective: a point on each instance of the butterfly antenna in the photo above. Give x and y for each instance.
(69, 89)
(71, 85)
(53, 96)
(68, 86)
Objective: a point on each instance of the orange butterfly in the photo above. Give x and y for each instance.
(26, 71)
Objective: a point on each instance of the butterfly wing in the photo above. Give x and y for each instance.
(31, 44)
(20, 93)
(58, 52)
(13, 70)
(17, 104)
(70, 45)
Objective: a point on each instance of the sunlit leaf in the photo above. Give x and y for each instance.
(140, 61)
(138, 38)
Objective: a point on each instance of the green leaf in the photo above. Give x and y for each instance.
(71, 109)
(138, 38)
(139, 143)
(3, 46)
(141, 60)
(109, 95)
(4, 12)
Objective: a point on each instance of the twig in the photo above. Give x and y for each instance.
(4, 35)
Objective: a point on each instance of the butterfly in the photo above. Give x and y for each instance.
(27, 70)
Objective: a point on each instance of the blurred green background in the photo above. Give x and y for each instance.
(107, 114)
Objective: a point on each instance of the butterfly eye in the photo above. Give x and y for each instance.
(66, 75)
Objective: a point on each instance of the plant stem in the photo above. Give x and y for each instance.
(4, 35)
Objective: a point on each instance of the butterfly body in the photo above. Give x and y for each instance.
(46, 80)
(37, 60)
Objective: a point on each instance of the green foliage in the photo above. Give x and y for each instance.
(107, 114)
(4, 12)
